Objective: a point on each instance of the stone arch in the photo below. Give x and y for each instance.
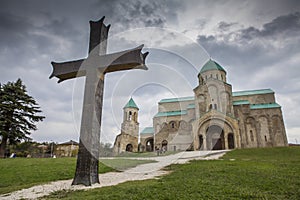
(183, 125)
(227, 125)
(172, 125)
(215, 138)
(129, 147)
(264, 133)
(149, 144)
(251, 132)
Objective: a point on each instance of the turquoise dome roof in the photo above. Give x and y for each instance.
(211, 65)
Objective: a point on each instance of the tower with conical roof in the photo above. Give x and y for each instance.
(130, 123)
(128, 139)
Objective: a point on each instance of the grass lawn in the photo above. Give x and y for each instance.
(19, 173)
(270, 173)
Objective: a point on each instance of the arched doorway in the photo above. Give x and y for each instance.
(230, 141)
(129, 147)
(215, 138)
(149, 145)
(200, 142)
(164, 145)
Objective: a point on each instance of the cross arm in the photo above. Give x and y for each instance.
(67, 70)
(126, 60)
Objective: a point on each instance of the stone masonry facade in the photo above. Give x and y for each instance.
(214, 118)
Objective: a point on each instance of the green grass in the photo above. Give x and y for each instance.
(19, 173)
(271, 173)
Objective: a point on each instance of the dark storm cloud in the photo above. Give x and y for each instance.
(254, 49)
(283, 26)
(223, 26)
(262, 58)
(137, 14)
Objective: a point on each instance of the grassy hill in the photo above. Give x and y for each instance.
(269, 173)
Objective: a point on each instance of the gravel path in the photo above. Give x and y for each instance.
(141, 172)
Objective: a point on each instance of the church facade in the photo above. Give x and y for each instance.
(214, 118)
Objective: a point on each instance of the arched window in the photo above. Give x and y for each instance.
(217, 76)
(216, 106)
(210, 106)
(266, 138)
(130, 116)
(251, 136)
(173, 125)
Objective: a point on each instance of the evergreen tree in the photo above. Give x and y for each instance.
(18, 114)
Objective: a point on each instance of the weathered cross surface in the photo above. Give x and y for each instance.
(94, 67)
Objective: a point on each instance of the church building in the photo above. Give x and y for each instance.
(214, 118)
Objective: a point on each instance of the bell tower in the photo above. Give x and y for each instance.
(213, 92)
(127, 140)
(130, 124)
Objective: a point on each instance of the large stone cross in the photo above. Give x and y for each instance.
(94, 67)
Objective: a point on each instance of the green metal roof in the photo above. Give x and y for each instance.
(131, 104)
(241, 102)
(211, 65)
(171, 113)
(177, 99)
(191, 106)
(147, 130)
(263, 106)
(252, 92)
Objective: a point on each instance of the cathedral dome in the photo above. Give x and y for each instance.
(211, 65)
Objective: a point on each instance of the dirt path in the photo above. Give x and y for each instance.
(141, 172)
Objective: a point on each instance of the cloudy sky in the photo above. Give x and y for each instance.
(256, 41)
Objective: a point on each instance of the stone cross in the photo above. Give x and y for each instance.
(94, 68)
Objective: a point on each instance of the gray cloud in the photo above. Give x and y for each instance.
(224, 26)
(283, 26)
(34, 33)
(262, 58)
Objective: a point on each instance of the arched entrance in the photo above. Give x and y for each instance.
(215, 138)
(164, 145)
(200, 142)
(230, 141)
(129, 147)
(149, 145)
